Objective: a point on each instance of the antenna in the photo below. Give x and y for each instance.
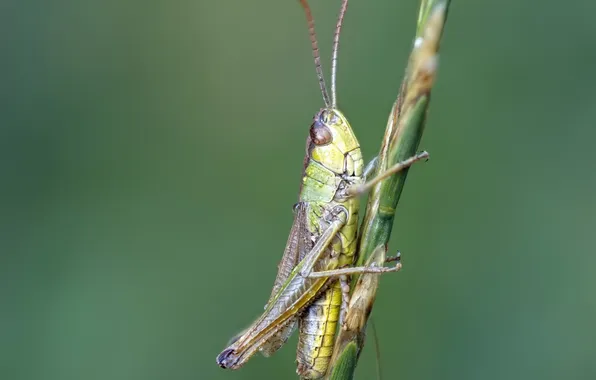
(315, 52)
(340, 20)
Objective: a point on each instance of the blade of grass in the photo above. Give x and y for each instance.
(402, 137)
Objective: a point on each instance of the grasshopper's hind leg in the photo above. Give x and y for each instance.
(338, 221)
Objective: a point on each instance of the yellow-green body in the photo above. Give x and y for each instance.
(330, 169)
(323, 239)
(333, 163)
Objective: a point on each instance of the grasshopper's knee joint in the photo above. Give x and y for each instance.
(226, 359)
(338, 213)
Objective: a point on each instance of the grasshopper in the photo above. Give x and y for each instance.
(312, 280)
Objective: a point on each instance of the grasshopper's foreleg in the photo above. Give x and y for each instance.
(338, 220)
(361, 189)
(358, 270)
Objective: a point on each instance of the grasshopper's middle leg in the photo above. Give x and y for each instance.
(357, 270)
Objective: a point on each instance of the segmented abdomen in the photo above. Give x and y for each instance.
(317, 333)
(318, 323)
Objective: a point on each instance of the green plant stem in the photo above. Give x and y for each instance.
(402, 137)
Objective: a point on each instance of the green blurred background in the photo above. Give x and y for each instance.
(151, 152)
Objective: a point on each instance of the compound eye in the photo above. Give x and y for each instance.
(320, 134)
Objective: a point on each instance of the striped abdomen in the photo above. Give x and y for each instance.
(318, 322)
(317, 333)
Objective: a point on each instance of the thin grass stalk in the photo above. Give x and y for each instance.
(402, 137)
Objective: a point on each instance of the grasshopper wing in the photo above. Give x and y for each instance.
(299, 243)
